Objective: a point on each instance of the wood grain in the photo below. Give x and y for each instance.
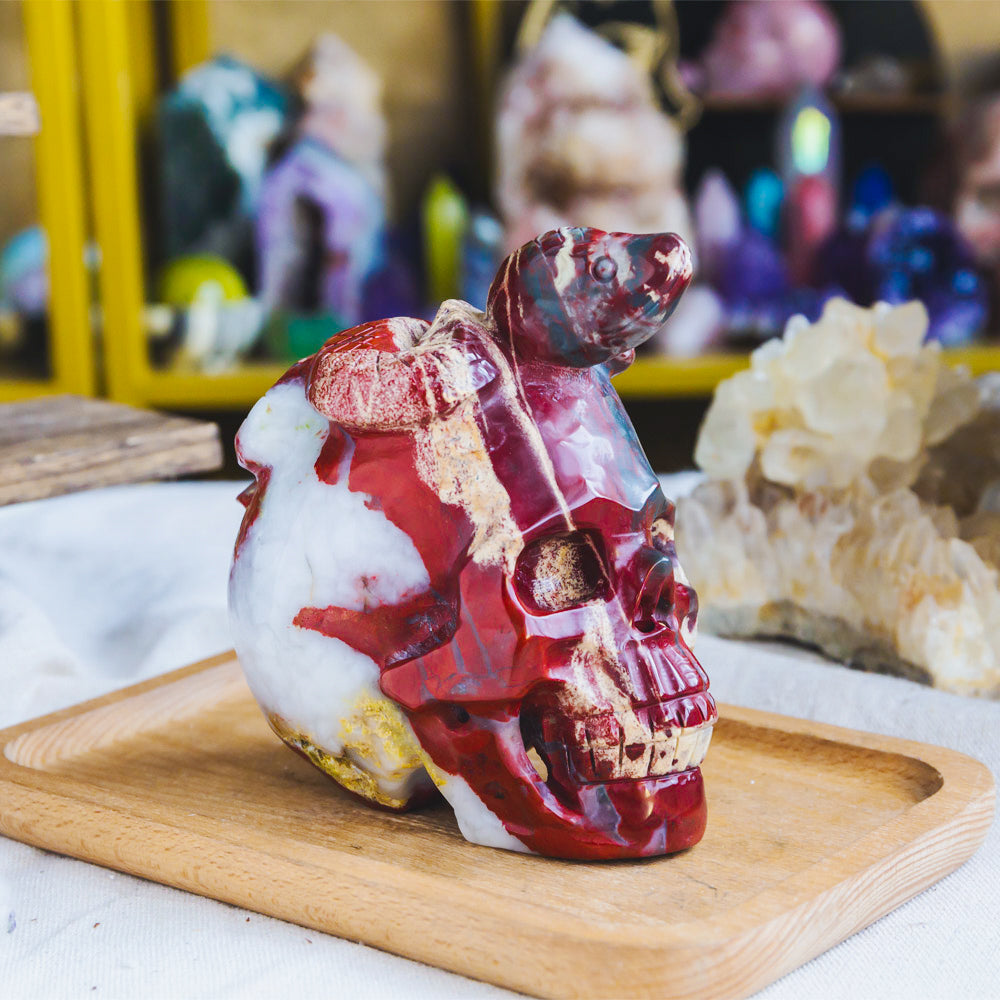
(814, 832)
(60, 444)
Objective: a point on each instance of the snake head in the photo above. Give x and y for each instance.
(581, 297)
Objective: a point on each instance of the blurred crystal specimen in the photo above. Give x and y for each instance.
(582, 142)
(342, 99)
(765, 49)
(215, 130)
(319, 233)
(321, 227)
(918, 253)
(976, 207)
(853, 500)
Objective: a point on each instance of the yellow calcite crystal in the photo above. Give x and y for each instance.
(852, 500)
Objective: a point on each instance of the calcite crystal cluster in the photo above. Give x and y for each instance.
(853, 500)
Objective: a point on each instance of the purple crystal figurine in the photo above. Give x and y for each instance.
(319, 233)
(321, 223)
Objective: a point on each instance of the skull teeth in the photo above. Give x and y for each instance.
(669, 752)
(644, 742)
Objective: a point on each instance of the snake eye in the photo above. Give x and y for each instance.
(604, 269)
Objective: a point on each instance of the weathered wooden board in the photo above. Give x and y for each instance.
(60, 444)
(814, 832)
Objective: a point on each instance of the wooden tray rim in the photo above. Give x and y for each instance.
(964, 800)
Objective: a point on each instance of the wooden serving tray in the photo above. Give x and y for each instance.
(814, 832)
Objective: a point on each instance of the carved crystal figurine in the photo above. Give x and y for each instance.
(457, 568)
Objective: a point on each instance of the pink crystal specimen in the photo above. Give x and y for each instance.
(770, 48)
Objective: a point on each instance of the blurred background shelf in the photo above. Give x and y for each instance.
(121, 38)
(876, 104)
(665, 378)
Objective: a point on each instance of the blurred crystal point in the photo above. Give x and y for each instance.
(763, 197)
(342, 99)
(696, 325)
(482, 254)
(717, 221)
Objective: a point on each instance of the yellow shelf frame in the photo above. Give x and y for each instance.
(238, 388)
(49, 36)
(663, 378)
(190, 34)
(648, 378)
(978, 358)
(106, 39)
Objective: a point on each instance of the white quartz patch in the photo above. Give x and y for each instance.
(477, 823)
(565, 267)
(313, 544)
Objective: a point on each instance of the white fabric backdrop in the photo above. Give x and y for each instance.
(102, 589)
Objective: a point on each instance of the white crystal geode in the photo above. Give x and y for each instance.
(852, 500)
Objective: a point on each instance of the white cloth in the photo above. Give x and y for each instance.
(101, 589)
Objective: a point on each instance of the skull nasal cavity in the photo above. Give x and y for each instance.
(562, 571)
(653, 594)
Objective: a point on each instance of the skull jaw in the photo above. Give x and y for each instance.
(648, 817)
(625, 818)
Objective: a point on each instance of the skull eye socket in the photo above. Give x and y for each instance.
(559, 572)
(604, 269)
(661, 533)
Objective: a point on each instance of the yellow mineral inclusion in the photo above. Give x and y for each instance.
(439, 777)
(378, 751)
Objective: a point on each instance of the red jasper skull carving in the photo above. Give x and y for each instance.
(544, 662)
